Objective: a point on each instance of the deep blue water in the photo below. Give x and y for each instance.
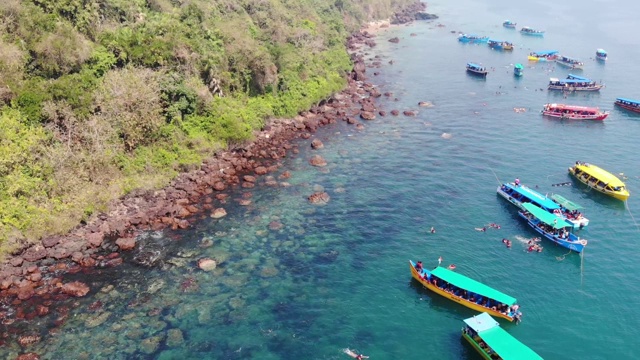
(337, 276)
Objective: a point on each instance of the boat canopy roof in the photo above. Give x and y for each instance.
(570, 81)
(629, 100)
(602, 175)
(518, 66)
(567, 58)
(545, 53)
(535, 196)
(471, 285)
(505, 345)
(601, 51)
(474, 65)
(569, 205)
(576, 77)
(546, 217)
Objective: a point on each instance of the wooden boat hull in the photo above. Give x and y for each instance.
(476, 346)
(616, 195)
(452, 297)
(571, 65)
(577, 246)
(630, 108)
(576, 88)
(477, 73)
(600, 116)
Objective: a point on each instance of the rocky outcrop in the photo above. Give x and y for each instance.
(76, 288)
(319, 198)
(317, 160)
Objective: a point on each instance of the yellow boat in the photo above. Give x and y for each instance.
(600, 180)
(467, 292)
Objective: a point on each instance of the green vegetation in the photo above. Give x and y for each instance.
(100, 97)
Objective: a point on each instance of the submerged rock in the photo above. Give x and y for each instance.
(319, 198)
(207, 264)
(174, 338)
(97, 320)
(318, 160)
(218, 213)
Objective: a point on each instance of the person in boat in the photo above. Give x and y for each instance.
(517, 182)
(419, 266)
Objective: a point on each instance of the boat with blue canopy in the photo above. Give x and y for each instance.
(552, 228)
(533, 32)
(500, 45)
(492, 342)
(520, 194)
(509, 24)
(476, 69)
(466, 291)
(569, 62)
(574, 83)
(518, 70)
(628, 104)
(542, 56)
(601, 55)
(471, 38)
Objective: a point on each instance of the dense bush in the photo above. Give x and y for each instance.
(100, 97)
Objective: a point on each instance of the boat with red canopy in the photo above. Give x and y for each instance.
(574, 112)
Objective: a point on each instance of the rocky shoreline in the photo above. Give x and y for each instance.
(33, 284)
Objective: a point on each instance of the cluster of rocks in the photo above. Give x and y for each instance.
(416, 11)
(32, 282)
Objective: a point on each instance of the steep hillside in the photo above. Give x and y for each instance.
(100, 97)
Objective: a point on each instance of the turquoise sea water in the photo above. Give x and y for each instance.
(337, 276)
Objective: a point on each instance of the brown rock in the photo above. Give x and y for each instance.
(318, 160)
(25, 292)
(28, 356)
(317, 144)
(218, 213)
(248, 185)
(367, 115)
(260, 170)
(35, 253)
(409, 113)
(394, 40)
(26, 340)
(275, 225)
(395, 112)
(126, 243)
(50, 241)
(285, 175)
(76, 288)
(249, 178)
(16, 261)
(319, 198)
(219, 186)
(95, 239)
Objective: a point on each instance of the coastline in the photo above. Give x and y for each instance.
(32, 283)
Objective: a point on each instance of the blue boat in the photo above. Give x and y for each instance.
(476, 69)
(509, 24)
(470, 38)
(518, 70)
(500, 45)
(533, 32)
(631, 105)
(519, 195)
(560, 232)
(601, 55)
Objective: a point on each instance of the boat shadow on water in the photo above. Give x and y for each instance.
(599, 197)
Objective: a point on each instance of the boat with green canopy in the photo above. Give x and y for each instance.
(466, 291)
(571, 211)
(492, 342)
(552, 227)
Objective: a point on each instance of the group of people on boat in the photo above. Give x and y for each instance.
(560, 234)
(566, 112)
(486, 348)
(468, 296)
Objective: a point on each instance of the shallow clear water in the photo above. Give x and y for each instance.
(337, 276)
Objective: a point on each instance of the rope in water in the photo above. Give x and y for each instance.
(626, 205)
(494, 174)
(560, 258)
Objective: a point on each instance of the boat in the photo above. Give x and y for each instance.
(601, 55)
(509, 24)
(541, 56)
(520, 194)
(571, 63)
(492, 342)
(476, 69)
(472, 38)
(500, 45)
(548, 225)
(533, 32)
(632, 105)
(600, 180)
(574, 112)
(466, 291)
(574, 83)
(518, 70)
